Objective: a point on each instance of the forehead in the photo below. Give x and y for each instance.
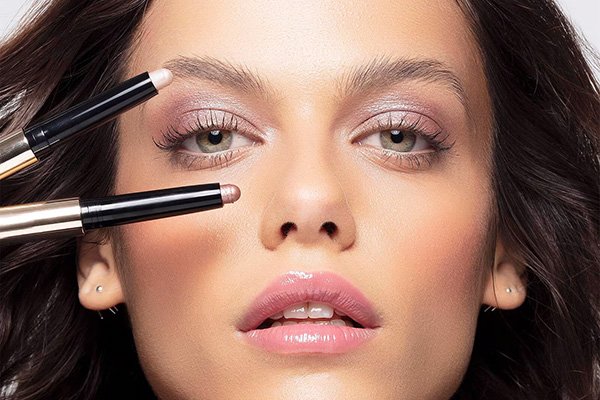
(307, 36)
(307, 47)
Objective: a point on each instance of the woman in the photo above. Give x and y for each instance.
(434, 162)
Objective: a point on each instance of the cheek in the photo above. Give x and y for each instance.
(443, 240)
(443, 250)
(171, 256)
(169, 265)
(427, 249)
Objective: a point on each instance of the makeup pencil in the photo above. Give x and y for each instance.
(74, 217)
(24, 147)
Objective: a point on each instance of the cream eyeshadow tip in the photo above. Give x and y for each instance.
(161, 78)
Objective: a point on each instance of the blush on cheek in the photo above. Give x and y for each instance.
(455, 283)
(171, 267)
(167, 259)
(438, 241)
(453, 236)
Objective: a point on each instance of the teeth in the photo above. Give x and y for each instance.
(297, 311)
(334, 322)
(277, 316)
(302, 313)
(312, 309)
(319, 310)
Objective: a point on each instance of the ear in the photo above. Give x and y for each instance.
(99, 284)
(505, 288)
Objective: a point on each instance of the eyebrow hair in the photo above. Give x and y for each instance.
(380, 73)
(223, 73)
(384, 72)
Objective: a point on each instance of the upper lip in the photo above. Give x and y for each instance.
(297, 287)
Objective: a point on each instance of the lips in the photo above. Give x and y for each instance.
(298, 287)
(319, 287)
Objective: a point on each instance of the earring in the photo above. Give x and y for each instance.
(114, 310)
(99, 289)
(488, 307)
(509, 290)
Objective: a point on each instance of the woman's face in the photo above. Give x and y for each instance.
(372, 116)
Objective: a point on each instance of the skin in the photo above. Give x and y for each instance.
(415, 241)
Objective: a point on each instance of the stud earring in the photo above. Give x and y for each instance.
(99, 289)
(509, 290)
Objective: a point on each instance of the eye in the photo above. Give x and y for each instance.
(398, 140)
(209, 140)
(215, 140)
(404, 141)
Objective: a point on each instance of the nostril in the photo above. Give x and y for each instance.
(285, 228)
(330, 228)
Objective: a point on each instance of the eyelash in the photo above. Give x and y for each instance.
(173, 139)
(405, 160)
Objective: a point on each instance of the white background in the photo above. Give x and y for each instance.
(584, 13)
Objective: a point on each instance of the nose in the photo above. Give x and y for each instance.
(309, 208)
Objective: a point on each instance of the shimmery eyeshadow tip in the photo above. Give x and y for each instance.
(230, 193)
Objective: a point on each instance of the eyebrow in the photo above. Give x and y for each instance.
(224, 73)
(380, 73)
(384, 72)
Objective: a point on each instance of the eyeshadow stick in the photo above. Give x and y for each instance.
(74, 217)
(24, 147)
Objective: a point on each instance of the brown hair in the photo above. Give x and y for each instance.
(546, 108)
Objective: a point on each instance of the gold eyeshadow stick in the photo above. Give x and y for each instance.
(24, 147)
(74, 217)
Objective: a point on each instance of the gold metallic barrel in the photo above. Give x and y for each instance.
(44, 220)
(15, 154)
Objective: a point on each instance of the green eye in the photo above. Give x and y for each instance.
(214, 140)
(395, 139)
(398, 140)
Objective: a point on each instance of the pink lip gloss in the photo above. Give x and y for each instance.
(309, 338)
(309, 335)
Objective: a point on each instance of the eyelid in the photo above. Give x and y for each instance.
(188, 126)
(420, 121)
(242, 123)
(173, 139)
(410, 161)
(192, 125)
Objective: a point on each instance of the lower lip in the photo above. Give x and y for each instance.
(309, 338)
